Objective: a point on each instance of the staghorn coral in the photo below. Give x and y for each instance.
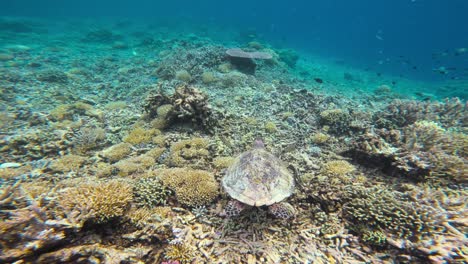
(100, 201)
(389, 211)
(149, 192)
(433, 152)
(192, 187)
(450, 113)
(423, 151)
(449, 244)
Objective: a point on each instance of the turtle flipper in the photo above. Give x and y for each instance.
(234, 208)
(282, 210)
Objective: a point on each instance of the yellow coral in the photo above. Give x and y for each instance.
(155, 153)
(117, 152)
(192, 187)
(61, 112)
(140, 135)
(103, 169)
(144, 216)
(332, 116)
(320, 138)
(68, 163)
(222, 162)
(183, 75)
(164, 110)
(134, 164)
(208, 77)
(180, 252)
(225, 67)
(158, 123)
(159, 140)
(270, 127)
(185, 152)
(116, 105)
(338, 167)
(99, 201)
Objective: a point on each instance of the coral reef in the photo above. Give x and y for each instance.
(149, 192)
(192, 187)
(99, 202)
(338, 167)
(388, 211)
(139, 135)
(188, 105)
(422, 151)
(380, 177)
(88, 138)
(190, 152)
(117, 152)
(68, 163)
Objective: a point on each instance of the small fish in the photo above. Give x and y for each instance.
(318, 80)
(441, 70)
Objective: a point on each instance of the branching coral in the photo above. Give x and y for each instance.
(421, 151)
(434, 152)
(450, 113)
(381, 209)
(98, 252)
(179, 252)
(141, 135)
(192, 187)
(98, 201)
(68, 163)
(338, 167)
(150, 192)
(88, 138)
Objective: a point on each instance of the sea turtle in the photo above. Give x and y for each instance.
(258, 178)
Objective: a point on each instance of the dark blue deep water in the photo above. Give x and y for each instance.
(410, 38)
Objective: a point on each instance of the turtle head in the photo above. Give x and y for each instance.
(258, 144)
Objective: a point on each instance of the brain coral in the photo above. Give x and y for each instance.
(192, 187)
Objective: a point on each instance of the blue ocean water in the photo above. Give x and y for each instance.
(421, 39)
